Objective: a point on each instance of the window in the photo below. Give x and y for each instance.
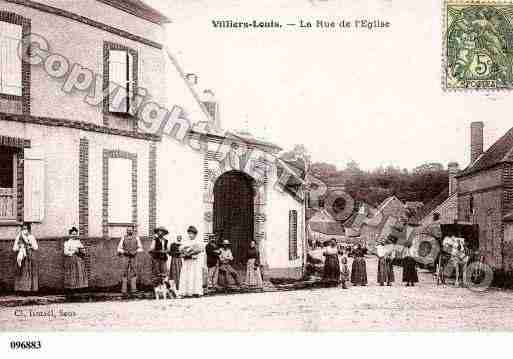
(121, 73)
(120, 190)
(10, 62)
(7, 183)
(471, 208)
(293, 235)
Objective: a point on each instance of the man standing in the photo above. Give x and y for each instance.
(225, 268)
(128, 247)
(159, 252)
(213, 252)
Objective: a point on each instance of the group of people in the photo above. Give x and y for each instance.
(185, 273)
(177, 263)
(26, 277)
(335, 270)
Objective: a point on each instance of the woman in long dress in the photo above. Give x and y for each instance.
(191, 276)
(26, 279)
(175, 267)
(331, 274)
(253, 272)
(75, 274)
(410, 275)
(359, 267)
(385, 267)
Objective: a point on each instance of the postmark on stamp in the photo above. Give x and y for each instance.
(478, 45)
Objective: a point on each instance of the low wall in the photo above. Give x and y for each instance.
(103, 264)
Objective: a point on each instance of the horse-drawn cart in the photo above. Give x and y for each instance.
(459, 245)
(446, 248)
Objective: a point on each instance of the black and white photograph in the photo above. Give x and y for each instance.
(285, 166)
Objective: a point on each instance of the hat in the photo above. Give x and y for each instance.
(73, 230)
(161, 229)
(192, 229)
(226, 242)
(27, 224)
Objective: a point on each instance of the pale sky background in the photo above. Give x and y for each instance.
(372, 96)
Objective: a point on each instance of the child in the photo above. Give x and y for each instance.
(344, 272)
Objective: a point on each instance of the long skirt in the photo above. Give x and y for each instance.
(175, 268)
(253, 275)
(191, 278)
(331, 269)
(409, 270)
(75, 275)
(26, 278)
(359, 271)
(385, 271)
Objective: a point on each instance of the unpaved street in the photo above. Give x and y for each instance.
(424, 307)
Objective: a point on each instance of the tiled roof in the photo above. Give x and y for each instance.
(139, 8)
(501, 151)
(431, 205)
(323, 222)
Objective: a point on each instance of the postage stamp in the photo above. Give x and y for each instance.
(478, 45)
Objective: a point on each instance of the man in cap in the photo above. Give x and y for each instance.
(225, 268)
(158, 250)
(213, 252)
(128, 247)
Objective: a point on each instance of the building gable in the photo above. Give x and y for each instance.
(501, 151)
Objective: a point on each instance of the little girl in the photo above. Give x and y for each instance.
(344, 272)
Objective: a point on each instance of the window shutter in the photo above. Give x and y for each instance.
(34, 189)
(118, 69)
(293, 235)
(10, 62)
(130, 78)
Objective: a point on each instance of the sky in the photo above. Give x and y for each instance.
(374, 97)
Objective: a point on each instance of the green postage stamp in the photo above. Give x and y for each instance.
(478, 45)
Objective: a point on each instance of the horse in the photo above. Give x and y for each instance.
(456, 256)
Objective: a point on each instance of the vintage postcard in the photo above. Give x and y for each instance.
(285, 165)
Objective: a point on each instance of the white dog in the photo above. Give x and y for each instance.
(165, 288)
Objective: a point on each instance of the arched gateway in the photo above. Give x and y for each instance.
(234, 211)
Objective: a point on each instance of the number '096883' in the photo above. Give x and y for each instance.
(25, 345)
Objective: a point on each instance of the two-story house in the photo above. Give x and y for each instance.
(79, 146)
(68, 155)
(485, 196)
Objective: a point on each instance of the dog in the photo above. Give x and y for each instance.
(166, 289)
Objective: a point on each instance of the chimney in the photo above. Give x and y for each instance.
(476, 140)
(212, 107)
(453, 169)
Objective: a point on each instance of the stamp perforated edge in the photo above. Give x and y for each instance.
(444, 19)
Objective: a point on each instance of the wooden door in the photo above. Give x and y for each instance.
(234, 212)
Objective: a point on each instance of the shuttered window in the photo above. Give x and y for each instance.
(293, 235)
(7, 183)
(34, 188)
(121, 74)
(120, 190)
(10, 62)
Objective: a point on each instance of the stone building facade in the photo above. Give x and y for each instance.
(485, 196)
